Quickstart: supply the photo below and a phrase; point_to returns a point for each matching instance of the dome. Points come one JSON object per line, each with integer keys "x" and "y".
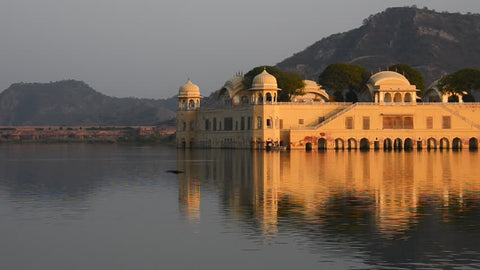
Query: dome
{"x": 234, "y": 85}
{"x": 189, "y": 89}
{"x": 264, "y": 81}
{"x": 311, "y": 85}
{"x": 390, "y": 80}
{"x": 312, "y": 92}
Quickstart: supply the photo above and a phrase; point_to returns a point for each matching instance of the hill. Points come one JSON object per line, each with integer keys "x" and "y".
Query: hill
{"x": 72, "y": 103}
{"x": 431, "y": 42}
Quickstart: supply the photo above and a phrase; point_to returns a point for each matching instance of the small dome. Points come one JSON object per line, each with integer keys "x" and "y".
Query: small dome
{"x": 311, "y": 85}
{"x": 312, "y": 92}
{"x": 189, "y": 89}
{"x": 264, "y": 81}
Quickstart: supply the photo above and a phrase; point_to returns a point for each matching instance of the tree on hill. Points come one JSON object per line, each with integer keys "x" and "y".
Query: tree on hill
{"x": 291, "y": 83}
{"x": 413, "y": 76}
{"x": 465, "y": 80}
{"x": 341, "y": 76}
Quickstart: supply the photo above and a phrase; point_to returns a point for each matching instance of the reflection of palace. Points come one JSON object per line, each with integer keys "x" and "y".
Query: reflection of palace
{"x": 388, "y": 117}
{"x": 392, "y": 187}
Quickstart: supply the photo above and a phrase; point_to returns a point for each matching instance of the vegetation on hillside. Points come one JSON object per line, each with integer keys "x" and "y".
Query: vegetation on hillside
{"x": 434, "y": 43}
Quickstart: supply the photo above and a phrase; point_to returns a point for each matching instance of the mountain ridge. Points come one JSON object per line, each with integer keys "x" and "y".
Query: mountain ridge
{"x": 72, "y": 102}
{"x": 434, "y": 43}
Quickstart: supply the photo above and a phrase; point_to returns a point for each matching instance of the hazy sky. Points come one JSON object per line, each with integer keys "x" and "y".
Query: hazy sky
{"x": 148, "y": 48}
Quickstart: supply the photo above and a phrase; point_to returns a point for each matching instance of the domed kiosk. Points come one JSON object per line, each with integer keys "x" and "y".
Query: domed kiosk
{"x": 189, "y": 96}
{"x": 389, "y": 87}
{"x": 265, "y": 87}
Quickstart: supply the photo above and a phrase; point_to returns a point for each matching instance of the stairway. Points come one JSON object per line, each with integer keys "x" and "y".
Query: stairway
{"x": 333, "y": 117}
{"x": 460, "y": 116}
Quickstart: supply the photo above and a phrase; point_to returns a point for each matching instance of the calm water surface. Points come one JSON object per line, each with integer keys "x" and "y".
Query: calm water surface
{"x": 116, "y": 207}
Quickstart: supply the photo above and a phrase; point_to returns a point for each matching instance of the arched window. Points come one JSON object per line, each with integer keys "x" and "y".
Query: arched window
{"x": 191, "y": 103}
{"x": 268, "y": 97}
{"x": 397, "y": 98}
{"x": 408, "y": 98}
{"x": 269, "y": 123}
{"x": 388, "y": 98}
{"x": 207, "y": 124}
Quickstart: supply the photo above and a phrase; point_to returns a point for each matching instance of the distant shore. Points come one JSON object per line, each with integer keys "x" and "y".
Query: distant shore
{"x": 87, "y": 134}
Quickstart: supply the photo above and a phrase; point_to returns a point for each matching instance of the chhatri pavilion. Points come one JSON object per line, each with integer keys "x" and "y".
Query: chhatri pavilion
{"x": 389, "y": 115}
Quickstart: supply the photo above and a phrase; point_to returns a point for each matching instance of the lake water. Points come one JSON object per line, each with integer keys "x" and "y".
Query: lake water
{"x": 115, "y": 207}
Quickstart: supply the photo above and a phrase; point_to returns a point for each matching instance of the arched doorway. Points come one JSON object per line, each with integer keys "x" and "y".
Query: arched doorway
{"x": 364, "y": 144}
{"x": 339, "y": 144}
{"x": 444, "y": 144}
{"x": 387, "y": 144}
{"x": 431, "y": 144}
{"x": 408, "y": 144}
{"x": 322, "y": 144}
{"x": 352, "y": 144}
{"x": 397, "y": 144}
{"x": 308, "y": 147}
{"x": 419, "y": 145}
{"x": 457, "y": 144}
{"x": 473, "y": 144}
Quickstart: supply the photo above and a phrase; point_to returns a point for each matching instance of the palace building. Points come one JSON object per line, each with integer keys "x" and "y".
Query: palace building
{"x": 389, "y": 116}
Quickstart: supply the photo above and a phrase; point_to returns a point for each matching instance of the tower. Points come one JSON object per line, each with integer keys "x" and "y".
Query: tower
{"x": 187, "y": 114}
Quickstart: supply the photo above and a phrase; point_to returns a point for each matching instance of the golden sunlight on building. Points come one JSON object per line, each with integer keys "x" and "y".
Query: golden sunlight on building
{"x": 390, "y": 116}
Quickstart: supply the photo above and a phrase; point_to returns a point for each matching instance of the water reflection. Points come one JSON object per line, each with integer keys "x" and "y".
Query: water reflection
{"x": 401, "y": 207}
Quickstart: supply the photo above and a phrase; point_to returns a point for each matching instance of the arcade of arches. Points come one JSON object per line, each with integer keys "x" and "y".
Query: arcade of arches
{"x": 389, "y": 144}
